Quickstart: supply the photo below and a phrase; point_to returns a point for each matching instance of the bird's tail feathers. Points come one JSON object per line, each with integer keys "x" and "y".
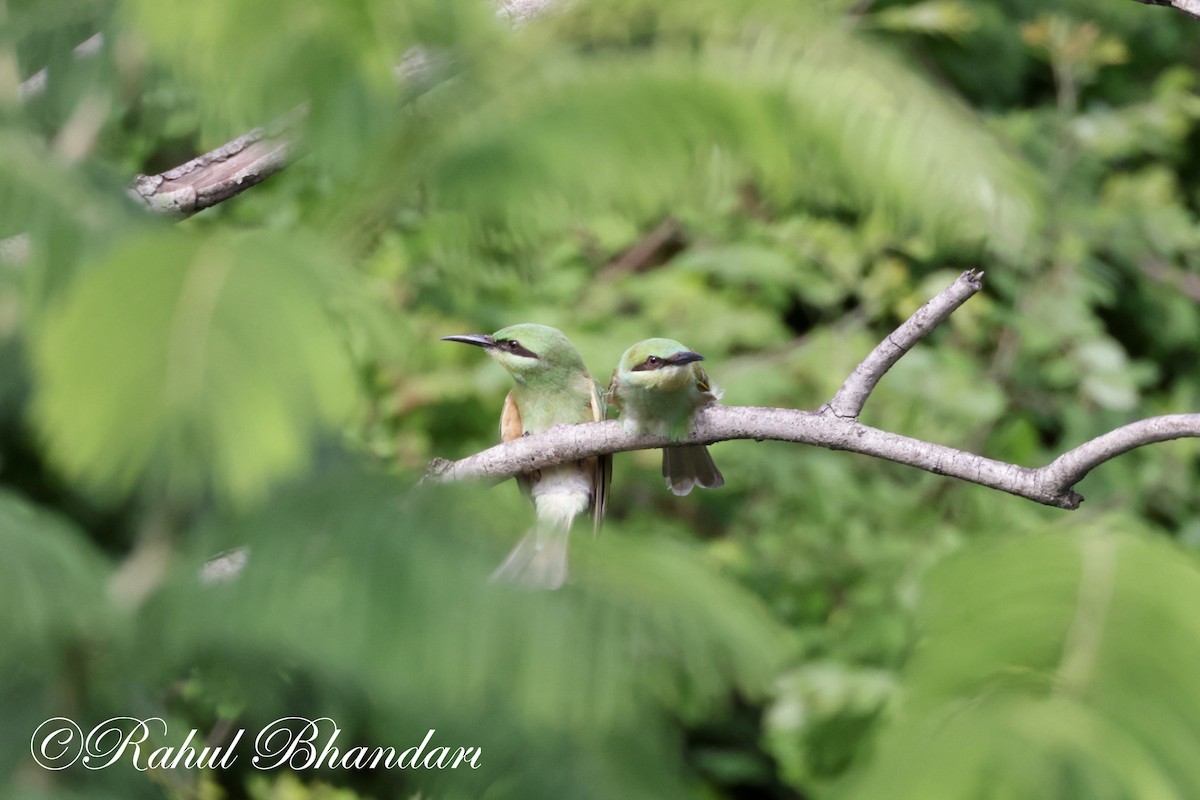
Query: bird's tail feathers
{"x": 688, "y": 466}
{"x": 539, "y": 561}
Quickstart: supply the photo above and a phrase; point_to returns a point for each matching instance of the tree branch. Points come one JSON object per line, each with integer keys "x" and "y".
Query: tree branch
{"x": 201, "y": 183}
{"x": 836, "y": 427}
{"x": 221, "y": 173}
{"x": 850, "y": 399}
{"x": 204, "y": 181}
{"x": 1191, "y": 7}
{"x": 250, "y": 159}
{"x": 1073, "y": 465}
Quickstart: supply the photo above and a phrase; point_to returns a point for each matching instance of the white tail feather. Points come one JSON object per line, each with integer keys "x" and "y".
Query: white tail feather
{"x": 539, "y": 561}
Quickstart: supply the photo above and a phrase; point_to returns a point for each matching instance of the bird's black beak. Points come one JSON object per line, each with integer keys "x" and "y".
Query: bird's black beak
{"x": 477, "y": 339}
{"x": 686, "y": 357}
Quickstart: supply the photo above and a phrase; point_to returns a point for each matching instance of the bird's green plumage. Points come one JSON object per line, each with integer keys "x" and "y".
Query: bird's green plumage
{"x": 659, "y": 399}
{"x": 553, "y": 387}
{"x": 657, "y": 387}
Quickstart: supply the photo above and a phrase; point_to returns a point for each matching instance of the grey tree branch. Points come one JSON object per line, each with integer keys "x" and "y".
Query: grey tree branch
{"x": 1186, "y": 6}
{"x": 850, "y": 399}
{"x": 204, "y": 181}
{"x": 221, "y": 173}
{"x": 250, "y": 159}
{"x": 1073, "y": 465}
{"x": 837, "y": 429}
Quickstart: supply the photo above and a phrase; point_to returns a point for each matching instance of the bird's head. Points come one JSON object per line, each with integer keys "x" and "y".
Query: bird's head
{"x": 527, "y": 350}
{"x": 658, "y": 364}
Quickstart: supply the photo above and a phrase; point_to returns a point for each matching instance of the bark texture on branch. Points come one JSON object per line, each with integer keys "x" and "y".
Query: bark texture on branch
{"x": 850, "y": 399}
{"x": 1186, "y": 6}
{"x": 219, "y": 174}
{"x": 1051, "y": 485}
{"x": 836, "y": 427}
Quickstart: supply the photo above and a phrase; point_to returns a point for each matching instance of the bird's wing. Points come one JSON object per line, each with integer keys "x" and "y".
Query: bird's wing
{"x": 599, "y": 466}
{"x": 511, "y": 428}
{"x": 704, "y": 385}
{"x": 613, "y": 395}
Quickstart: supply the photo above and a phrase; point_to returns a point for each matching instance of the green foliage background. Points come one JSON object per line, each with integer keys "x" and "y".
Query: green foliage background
{"x": 267, "y": 375}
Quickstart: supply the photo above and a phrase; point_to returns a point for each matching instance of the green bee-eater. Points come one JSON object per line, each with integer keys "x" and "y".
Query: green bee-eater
{"x": 553, "y": 388}
{"x": 658, "y": 386}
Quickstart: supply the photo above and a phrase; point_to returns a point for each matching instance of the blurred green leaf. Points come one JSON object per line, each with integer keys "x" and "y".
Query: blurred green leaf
{"x": 53, "y": 605}
{"x": 818, "y": 715}
{"x": 758, "y": 98}
{"x": 1021, "y": 683}
{"x": 776, "y": 184}
{"x": 206, "y": 364}
{"x": 396, "y": 582}
{"x": 53, "y": 585}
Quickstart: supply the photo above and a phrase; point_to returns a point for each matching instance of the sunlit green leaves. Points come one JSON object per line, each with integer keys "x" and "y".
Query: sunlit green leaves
{"x": 1157, "y": 125}
{"x": 565, "y": 144}
{"x": 190, "y": 365}
{"x": 752, "y": 104}
{"x": 1076, "y": 50}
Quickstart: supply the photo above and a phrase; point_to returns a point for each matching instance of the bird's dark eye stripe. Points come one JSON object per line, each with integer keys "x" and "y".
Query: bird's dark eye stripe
{"x": 651, "y": 362}
{"x": 513, "y": 346}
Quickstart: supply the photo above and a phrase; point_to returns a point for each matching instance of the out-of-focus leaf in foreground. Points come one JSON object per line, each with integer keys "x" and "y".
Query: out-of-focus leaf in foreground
{"x": 60, "y": 213}
{"x": 804, "y": 112}
{"x": 1057, "y": 665}
{"x": 52, "y": 602}
{"x": 381, "y": 601}
{"x": 191, "y": 365}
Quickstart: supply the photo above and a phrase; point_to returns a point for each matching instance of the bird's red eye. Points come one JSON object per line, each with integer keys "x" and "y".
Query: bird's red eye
{"x": 653, "y": 361}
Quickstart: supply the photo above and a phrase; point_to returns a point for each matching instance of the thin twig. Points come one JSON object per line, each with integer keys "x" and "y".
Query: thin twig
{"x": 1074, "y": 464}
{"x": 849, "y": 400}
{"x": 250, "y": 159}
{"x": 1052, "y": 484}
{"x": 1162, "y": 271}
{"x": 653, "y": 248}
